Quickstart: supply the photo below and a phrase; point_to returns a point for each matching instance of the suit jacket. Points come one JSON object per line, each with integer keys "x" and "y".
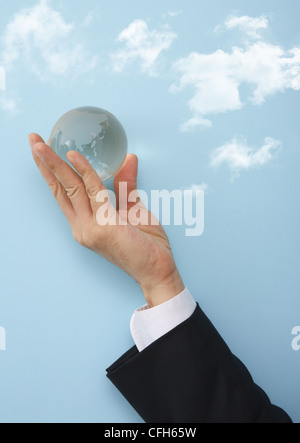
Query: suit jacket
{"x": 190, "y": 376}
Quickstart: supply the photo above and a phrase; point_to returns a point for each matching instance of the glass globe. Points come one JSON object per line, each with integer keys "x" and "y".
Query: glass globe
{"x": 96, "y": 134}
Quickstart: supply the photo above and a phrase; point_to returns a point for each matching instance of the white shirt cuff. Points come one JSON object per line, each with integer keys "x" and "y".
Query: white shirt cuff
{"x": 149, "y": 324}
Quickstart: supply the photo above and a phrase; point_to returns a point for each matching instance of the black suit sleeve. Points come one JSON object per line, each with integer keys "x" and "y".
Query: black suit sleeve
{"x": 190, "y": 376}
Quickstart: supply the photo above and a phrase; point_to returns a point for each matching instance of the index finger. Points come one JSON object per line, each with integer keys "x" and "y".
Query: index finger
{"x": 53, "y": 183}
{"x": 69, "y": 179}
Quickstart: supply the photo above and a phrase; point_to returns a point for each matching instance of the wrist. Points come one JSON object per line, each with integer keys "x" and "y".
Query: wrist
{"x": 160, "y": 292}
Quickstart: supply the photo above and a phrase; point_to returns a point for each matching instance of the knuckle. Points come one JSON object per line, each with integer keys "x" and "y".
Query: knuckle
{"x": 53, "y": 168}
{"x": 92, "y": 182}
{"x": 93, "y": 190}
{"x": 56, "y": 189}
{"x": 74, "y": 191}
{"x": 87, "y": 174}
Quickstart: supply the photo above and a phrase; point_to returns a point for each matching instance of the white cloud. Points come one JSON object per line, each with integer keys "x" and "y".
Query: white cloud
{"x": 88, "y": 19}
{"x": 9, "y": 104}
{"x": 216, "y": 78}
{"x": 194, "y": 122}
{"x": 142, "y": 44}
{"x": 172, "y": 14}
{"x": 250, "y": 26}
{"x": 238, "y": 155}
{"x": 40, "y": 37}
{"x": 2, "y": 79}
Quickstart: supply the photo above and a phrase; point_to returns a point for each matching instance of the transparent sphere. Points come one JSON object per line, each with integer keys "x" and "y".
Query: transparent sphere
{"x": 96, "y": 134}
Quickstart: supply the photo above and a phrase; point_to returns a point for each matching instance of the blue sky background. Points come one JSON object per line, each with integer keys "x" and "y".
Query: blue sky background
{"x": 66, "y": 311}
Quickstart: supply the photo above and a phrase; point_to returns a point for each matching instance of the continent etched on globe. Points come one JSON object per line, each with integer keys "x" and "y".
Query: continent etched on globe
{"x": 96, "y": 134}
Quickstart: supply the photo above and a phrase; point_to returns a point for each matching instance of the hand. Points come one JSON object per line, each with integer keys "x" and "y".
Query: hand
{"x": 144, "y": 252}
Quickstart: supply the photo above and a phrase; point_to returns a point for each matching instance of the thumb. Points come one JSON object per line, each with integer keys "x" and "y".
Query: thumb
{"x": 127, "y": 174}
